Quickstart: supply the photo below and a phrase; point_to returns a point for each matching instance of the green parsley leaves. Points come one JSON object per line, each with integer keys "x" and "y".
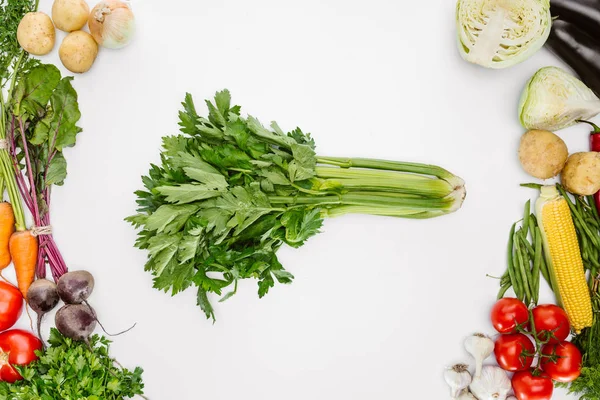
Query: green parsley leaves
{"x": 70, "y": 370}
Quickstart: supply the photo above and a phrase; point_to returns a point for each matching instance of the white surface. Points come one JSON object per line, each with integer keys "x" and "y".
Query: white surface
{"x": 379, "y": 305}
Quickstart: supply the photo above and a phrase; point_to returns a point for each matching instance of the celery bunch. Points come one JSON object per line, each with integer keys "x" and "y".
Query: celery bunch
{"x": 230, "y": 192}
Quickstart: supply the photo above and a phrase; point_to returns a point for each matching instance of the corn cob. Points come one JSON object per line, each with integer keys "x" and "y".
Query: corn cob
{"x": 565, "y": 264}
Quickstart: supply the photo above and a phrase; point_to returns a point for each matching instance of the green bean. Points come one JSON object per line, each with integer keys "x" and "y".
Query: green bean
{"x": 528, "y": 246}
{"x": 510, "y": 263}
{"x": 532, "y": 225}
{"x": 526, "y": 213}
{"x": 594, "y": 256}
{"x": 536, "y": 268}
{"x": 503, "y": 291}
{"x": 580, "y": 205}
{"x": 527, "y": 263}
{"x": 591, "y": 221}
{"x": 594, "y": 209}
{"x": 516, "y": 281}
{"x": 579, "y": 222}
{"x": 523, "y": 270}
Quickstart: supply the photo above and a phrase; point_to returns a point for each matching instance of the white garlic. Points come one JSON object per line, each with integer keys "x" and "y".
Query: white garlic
{"x": 112, "y": 24}
{"x": 466, "y": 395}
{"x": 511, "y": 398}
{"x": 480, "y": 347}
{"x": 458, "y": 378}
{"x": 492, "y": 384}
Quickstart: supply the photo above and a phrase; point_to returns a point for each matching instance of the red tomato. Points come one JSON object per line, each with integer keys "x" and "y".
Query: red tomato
{"x": 17, "y": 347}
{"x": 11, "y": 305}
{"x": 507, "y": 313}
{"x": 565, "y": 366}
{"x": 514, "y": 352}
{"x": 551, "y": 323}
{"x": 530, "y": 386}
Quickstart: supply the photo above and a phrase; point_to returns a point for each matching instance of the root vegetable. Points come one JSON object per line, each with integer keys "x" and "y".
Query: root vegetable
{"x": 112, "y": 24}
{"x": 36, "y": 33}
{"x": 581, "y": 174}
{"x": 42, "y": 297}
{"x": 24, "y": 249}
{"x": 75, "y": 287}
{"x": 78, "y": 51}
{"x": 542, "y": 154}
{"x": 76, "y": 321}
{"x": 70, "y": 15}
{"x": 7, "y": 228}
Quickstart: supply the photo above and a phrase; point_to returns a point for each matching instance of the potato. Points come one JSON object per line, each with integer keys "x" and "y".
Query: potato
{"x": 78, "y": 51}
{"x": 542, "y": 154}
{"x": 36, "y": 33}
{"x": 581, "y": 174}
{"x": 70, "y": 15}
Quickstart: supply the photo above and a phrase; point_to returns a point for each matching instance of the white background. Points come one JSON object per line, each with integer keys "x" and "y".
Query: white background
{"x": 379, "y": 306}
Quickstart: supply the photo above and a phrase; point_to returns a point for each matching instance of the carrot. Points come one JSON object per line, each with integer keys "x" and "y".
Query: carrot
{"x": 7, "y": 227}
{"x": 24, "y": 249}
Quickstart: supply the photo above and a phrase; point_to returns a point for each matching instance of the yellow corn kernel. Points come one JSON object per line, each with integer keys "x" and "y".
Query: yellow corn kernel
{"x": 564, "y": 257}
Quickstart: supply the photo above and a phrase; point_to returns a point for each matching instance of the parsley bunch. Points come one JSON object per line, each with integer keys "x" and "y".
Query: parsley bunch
{"x": 230, "y": 192}
{"x": 72, "y": 370}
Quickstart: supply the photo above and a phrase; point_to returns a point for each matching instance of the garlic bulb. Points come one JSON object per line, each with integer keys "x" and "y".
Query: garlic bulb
{"x": 458, "y": 378}
{"x": 466, "y": 395}
{"x": 511, "y": 398}
{"x": 112, "y": 24}
{"x": 493, "y": 384}
{"x": 480, "y": 347}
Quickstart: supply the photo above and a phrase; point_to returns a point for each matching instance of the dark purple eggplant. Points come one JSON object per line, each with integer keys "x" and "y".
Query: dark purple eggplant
{"x": 579, "y": 50}
{"x": 583, "y": 13}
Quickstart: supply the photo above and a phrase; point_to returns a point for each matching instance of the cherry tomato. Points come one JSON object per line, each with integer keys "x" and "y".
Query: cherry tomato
{"x": 514, "y": 352}
{"x": 17, "y": 347}
{"x": 551, "y": 323}
{"x": 565, "y": 364}
{"x": 507, "y": 313}
{"x": 528, "y": 385}
{"x": 11, "y": 305}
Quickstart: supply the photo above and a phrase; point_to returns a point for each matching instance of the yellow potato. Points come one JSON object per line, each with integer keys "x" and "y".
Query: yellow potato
{"x": 36, "y": 33}
{"x": 542, "y": 154}
{"x": 581, "y": 174}
{"x": 78, "y": 51}
{"x": 70, "y": 15}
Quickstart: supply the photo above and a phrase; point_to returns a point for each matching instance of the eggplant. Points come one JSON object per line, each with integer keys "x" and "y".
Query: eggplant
{"x": 579, "y": 50}
{"x": 583, "y": 13}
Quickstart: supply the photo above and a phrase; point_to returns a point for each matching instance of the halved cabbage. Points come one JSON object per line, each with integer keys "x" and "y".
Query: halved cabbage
{"x": 553, "y": 99}
{"x": 501, "y": 33}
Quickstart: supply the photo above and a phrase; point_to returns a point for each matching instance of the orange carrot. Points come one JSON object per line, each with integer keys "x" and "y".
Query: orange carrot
{"x": 7, "y": 227}
{"x": 24, "y": 250}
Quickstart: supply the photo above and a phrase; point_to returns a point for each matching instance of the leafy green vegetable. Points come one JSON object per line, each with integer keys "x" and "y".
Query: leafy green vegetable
{"x": 70, "y": 370}
{"x": 230, "y": 192}
{"x": 554, "y": 99}
{"x": 44, "y": 116}
{"x": 14, "y": 63}
{"x": 499, "y": 33}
